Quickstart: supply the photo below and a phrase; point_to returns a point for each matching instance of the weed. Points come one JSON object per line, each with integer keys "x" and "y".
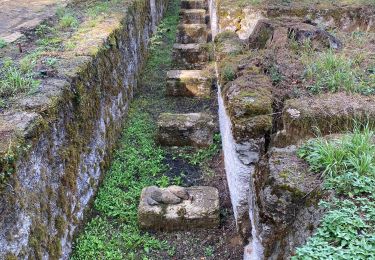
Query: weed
{"x": 209, "y": 251}
{"x": 201, "y": 156}
{"x": 50, "y": 61}
{"x": 67, "y": 19}
{"x": 171, "y": 251}
{"x": 97, "y": 9}
{"x": 275, "y": 74}
{"x": 69, "y": 45}
{"x": 43, "y": 29}
{"x": 348, "y": 165}
{"x": 15, "y": 81}
{"x": 3, "y": 43}
{"x": 229, "y": 73}
{"x": 334, "y": 72}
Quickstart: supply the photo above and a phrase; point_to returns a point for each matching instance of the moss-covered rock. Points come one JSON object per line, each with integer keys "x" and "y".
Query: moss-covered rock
{"x": 287, "y": 197}
{"x": 322, "y": 115}
{"x": 248, "y": 101}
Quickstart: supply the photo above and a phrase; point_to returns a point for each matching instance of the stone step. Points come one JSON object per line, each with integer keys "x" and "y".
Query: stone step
{"x": 190, "y": 56}
{"x": 191, "y": 33}
{"x": 193, "y": 129}
{"x": 161, "y": 209}
{"x": 193, "y": 16}
{"x": 188, "y": 83}
{"x": 194, "y": 4}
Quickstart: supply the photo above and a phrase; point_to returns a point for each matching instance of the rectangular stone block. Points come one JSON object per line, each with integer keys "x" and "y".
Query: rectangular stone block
{"x": 188, "y": 83}
{"x": 194, "y": 4}
{"x": 193, "y": 16}
{"x": 190, "y": 56}
{"x": 200, "y": 211}
{"x": 192, "y": 33}
{"x": 193, "y": 129}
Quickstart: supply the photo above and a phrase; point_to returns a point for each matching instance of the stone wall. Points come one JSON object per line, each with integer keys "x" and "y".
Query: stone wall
{"x": 56, "y": 145}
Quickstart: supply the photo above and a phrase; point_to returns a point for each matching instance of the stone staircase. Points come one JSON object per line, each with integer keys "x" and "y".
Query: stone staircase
{"x": 189, "y": 79}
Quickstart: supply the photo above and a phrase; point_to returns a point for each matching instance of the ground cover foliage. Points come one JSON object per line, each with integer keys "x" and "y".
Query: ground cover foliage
{"x": 347, "y": 164}
{"x": 113, "y": 232}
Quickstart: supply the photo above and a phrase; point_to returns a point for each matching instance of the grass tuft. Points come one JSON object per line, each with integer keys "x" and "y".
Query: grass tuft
{"x": 14, "y": 80}
{"x": 334, "y": 72}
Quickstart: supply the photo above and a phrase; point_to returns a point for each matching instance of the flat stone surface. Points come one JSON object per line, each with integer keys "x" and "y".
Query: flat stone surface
{"x": 17, "y": 15}
{"x": 192, "y": 33}
{"x": 193, "y": 16}
{"x": 190, "y": 56}
{"x": 201, "y": 211}
{"x": 188, "y": 83}
{"x": 330, "y": 113}
{"x": 193, "y": 129}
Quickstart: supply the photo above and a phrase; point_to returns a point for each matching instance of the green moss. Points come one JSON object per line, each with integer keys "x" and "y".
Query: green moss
{"x": 38, "y": 239}
{"x": 10, "y": 256}
{"x": 252, "y": 102}
{"x": 296, "y": 193}
{"x": 60, "y": 225}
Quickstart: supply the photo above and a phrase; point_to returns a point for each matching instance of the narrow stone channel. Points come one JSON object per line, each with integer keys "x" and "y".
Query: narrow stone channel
{"x": 114, "y": 223}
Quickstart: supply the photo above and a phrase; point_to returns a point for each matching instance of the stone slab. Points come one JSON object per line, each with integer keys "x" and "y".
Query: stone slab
{"x": 200, "y": 211}
{"x": 192, "y": 129}
{"x": 190, "y": 56}
{"x": 324, "y": 114}
{"x": 193, "y": 16}
{"x": 192, "y": 33}
{"x": 194, "y": 4}
{"x": 188, "y": 83}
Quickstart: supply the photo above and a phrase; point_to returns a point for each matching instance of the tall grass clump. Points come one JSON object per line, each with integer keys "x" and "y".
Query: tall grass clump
{"x": 14, "y": 80}
{"x": 334, "y": 72}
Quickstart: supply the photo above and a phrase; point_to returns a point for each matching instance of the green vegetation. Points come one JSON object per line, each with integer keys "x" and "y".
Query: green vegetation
{"x": 15, "y": 80}
{"x": 113, "y": 232}
{"x": 3, "y": 43}
{"x": 202, "y": 155}
{"x": 348, "y": 164}
{"x": 333, "y": 72}
{"x": 275, "y": 74}
{"x": 209, "y": 251}
{"x": 229, "y": 73}
{"x": 67, "y": 19}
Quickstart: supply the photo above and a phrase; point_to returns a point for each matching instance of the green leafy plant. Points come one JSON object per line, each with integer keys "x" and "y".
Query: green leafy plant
{"x": 209, "y": 251}
{"x": 67, "y": 19}
{"x": 201, "y": 156}
{"x": 3, "y": 43}
{"x": 229, "y": 73}
{"x": 275, "y": 74}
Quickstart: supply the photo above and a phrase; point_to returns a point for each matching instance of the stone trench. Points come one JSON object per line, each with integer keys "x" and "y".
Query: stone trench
{"x": 220, "y": 55}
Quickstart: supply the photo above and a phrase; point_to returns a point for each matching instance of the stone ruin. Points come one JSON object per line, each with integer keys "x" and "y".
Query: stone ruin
{"x": 178, "y": 208}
